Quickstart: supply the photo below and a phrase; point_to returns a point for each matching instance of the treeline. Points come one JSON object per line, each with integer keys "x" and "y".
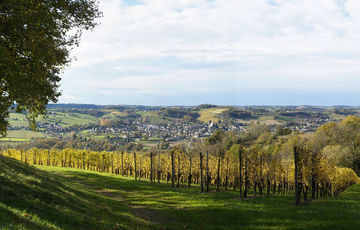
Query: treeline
{"x": 341, "y": 142}
{"x": 233, "y": 113}
{"x": 266, "y": 164}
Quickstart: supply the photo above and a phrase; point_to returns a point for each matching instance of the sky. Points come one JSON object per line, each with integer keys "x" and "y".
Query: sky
{"x": 224, "y": 52}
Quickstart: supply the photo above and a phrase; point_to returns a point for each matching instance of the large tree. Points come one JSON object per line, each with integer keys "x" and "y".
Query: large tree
{"x": 36, "y": 37}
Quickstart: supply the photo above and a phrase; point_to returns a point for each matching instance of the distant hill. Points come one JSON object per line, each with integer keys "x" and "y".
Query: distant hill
{"x": 74, "y": 106}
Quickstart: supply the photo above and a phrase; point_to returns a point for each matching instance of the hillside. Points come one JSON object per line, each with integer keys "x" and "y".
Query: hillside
{"x": 63, "y": 198}
{"x": 150, "y": 125}
{"x": 34, "y": 199}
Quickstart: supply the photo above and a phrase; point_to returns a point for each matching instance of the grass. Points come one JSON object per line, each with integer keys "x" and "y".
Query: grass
{"x": 114, "y": 112}
{"x": 61, "y": 118}
{"x": 336, "y": 116}
{"x": 20, "y": 136}
{"x": 63, "y": 198}
{"x": 18, "y": 119}
{"x": 210, "y": 114}
{"x": 154, "y": 118}
{"x": 34, "y": 199}
{"x": 69, "y": 119}
{"x": 287, "y": 119}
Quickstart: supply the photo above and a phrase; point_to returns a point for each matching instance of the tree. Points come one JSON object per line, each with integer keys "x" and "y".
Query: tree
{"x": 36, "y": 37}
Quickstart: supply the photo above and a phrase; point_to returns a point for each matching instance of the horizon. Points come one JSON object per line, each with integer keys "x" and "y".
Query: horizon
{"x": 195, "y": 105}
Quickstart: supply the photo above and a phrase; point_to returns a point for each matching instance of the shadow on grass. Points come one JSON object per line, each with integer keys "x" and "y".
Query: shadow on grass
{"x": 188, "y": 208}
{"x": 35, "y": 199}
{"x": 75, "y": 199}
{"x": 184, "y": 207}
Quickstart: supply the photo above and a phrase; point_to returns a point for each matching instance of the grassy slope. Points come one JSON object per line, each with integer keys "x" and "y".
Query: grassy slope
{"x": 70, "y": 199}
{"x": 210, "y": 114}
{"x": 34, "y": 199}
{"x": 68, "y": 119}
{"x": 61, "y": 118}
{"x": 20, "y": 135}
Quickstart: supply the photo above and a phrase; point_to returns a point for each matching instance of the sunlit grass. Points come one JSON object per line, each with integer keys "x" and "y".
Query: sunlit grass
{"x": 210, "y": 114}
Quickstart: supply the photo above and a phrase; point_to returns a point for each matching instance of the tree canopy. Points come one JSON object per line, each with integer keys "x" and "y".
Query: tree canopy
{"x": 36, "y": 37}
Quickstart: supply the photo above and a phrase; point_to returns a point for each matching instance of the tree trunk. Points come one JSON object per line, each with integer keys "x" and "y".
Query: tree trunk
{"x": 83, "y": 160}
{"x": 34, "y": 160}
{"x": 135, "y": 171}
{"x": 226, "y": 174}
{"x": 172, "y": 170}
{"x": 284, "y": 185}
{"x": 261, "y": 181}
{"x": 201, "y": 172}
{"x": 207, "y": 172}
{"x": 234, "y": 172}
{"x": 151, "y": 167}
{"x": 240, "y": 172}
{"x": 218, "y": 176}
{"x": 112, "y": 163}
{"x": 190, "y": 176}
{"x": 140, "y": 167}
{"x": 122, "y": 163}
{"x": 103, "y": 163}
{"x": 158, "y": 167}
{"x": 88, "y": 163}
{"x": 313, "y": 177}
{"x": 268, "y": 184}
{"x": 179, "y": 173}
{"x": 25, "y": 153}
{"x": 246, "y": 178}
{"x": 48, "y": 161}
{"x": 297, "y": 192}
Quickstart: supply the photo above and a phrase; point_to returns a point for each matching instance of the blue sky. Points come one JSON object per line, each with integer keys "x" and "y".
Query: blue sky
{"x": 226, "y": 52}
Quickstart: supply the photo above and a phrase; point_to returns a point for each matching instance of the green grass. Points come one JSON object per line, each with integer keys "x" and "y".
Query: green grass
{"x": 153, "y": 117}
{"x": 287, "y": 119}
{"x": 14, "y": 139}
{"x": 45, "y": 197}
{"x": 20, "y": 136}
{"x": 69, "y": 119}
{"x": 61, "y": 118}
{"x": 34, "y": 199}
{"x": 18, "y": 119}
{"x": 336, "y": 116}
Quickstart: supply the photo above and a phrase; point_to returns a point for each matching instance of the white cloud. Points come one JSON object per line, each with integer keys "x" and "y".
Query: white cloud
{"x": 187, "y": 46}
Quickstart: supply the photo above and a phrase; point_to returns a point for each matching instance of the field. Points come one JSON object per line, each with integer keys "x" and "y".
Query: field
{"x": 20, "y": 136}
{"x": 152, "y": 117}
{"x": 68, "y": 119}
{"x": 63, "y": 198}
{"x": 210, "y": 114}
{"x": 64, "y": 119}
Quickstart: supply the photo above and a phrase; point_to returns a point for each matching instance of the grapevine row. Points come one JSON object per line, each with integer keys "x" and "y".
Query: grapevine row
{"x": 261, "y": 170}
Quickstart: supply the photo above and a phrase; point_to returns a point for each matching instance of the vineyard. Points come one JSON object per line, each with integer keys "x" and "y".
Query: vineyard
{"x": 262, "y": 170}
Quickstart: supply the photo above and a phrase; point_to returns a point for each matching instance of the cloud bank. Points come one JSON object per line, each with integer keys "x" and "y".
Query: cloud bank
{"x": 166, "y": 52}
